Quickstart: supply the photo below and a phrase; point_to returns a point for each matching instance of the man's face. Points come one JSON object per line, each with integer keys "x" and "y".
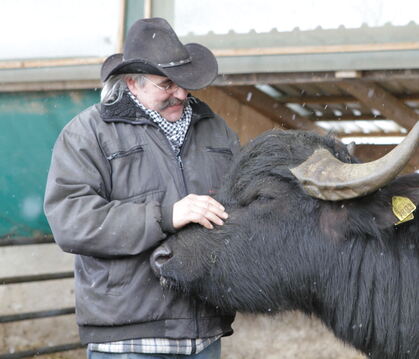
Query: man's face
{"x": 160, "y": 94}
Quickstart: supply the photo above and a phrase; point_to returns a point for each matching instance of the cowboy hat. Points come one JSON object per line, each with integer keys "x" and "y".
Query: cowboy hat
{"x": 152, "y": 47}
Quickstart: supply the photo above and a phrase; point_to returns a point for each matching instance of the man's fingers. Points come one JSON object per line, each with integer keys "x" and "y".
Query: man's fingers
{"x": 204, "y": 222}
{"x": 206, "y": 214}
{"x": 198, "y": 209}
{"x": 207, "y": 200}
{"x": 210, "y": 209}
{"x": 214, "y": 218}
{"x": 210, "y": 204}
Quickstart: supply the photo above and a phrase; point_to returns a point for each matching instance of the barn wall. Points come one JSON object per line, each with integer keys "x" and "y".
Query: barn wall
{"x": 29, "y": 125}
{"x": 244, "y": 120}
{"x": 367, "y": 153}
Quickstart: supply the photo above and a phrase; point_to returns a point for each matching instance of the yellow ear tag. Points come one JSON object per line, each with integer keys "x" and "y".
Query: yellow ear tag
{"x": 403, "y": 209}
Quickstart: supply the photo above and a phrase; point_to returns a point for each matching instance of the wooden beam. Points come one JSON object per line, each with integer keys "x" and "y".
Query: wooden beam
{"x": 121, "y": 26}
{"x": 274, "y": 78}
{"x": 367, "y": 153}
{"x": 148, "y": 8}
{"x": 390, "y": 75}
{"x": 336, "y": 99}
{"x": 269, "y": 107}
{"x": 375, "y": 97}
{"x": 361, "y": 117}
{"x": 75, "y": 61}
{"x": 370, "y": 134}
{"x": 285, "y": 78}
{"x": 320, "y": 49}
{"x": 50, "y": 86}
{"x": 318, "y": 100}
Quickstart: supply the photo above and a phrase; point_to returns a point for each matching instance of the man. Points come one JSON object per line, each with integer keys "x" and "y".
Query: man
{"x": 124, "y": 174}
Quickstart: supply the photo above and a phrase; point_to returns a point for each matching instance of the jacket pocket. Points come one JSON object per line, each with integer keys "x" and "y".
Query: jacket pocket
{"x": 220, "y": 150}
{"x": 124, "y": 153}
{"x": 153, "y": 195}
{"x": 121, "y": 272}
{"x": 219, "y": 163}
{"x": 105, "y": 275}
{"x": 133, "y": 172}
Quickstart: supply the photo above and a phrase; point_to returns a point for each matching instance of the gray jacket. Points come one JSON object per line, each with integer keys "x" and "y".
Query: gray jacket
{"x": 111, "y": 187}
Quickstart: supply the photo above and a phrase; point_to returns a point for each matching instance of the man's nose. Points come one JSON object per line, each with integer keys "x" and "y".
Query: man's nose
{"x": 180, "y": 93}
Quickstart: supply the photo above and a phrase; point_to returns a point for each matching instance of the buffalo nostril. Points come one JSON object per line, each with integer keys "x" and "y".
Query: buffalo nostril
{"x": 159, "y": 257}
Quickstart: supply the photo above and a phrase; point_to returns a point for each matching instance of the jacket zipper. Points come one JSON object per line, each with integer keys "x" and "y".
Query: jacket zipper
{"x": 177, "y": 158}
{"x": 185, "y": 142}
{"x": 185, "y": 187}
{"x": 196, "y": 319}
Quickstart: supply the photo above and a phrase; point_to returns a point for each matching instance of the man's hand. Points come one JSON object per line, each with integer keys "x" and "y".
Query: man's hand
{"x": 204, "y": 210}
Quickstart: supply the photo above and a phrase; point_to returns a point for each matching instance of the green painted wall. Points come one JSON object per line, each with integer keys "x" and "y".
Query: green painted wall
{"x": 29, "y": 125}
{"x": 134, "y": 10}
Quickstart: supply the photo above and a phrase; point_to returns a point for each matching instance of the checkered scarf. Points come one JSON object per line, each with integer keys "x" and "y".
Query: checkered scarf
{"x": 174, "y": 131}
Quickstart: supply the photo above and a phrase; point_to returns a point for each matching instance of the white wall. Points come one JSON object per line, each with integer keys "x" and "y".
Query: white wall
{"x": 58, "y": 28}
{"x": 220, "y": 16}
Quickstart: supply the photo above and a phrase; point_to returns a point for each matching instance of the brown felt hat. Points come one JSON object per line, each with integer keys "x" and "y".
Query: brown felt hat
{"x": 152, "y": 47}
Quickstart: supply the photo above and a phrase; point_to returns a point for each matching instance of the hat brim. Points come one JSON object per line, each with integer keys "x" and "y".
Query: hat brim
{"x": 197, "y": 74}
{"x": 200, "y": 72}
{"x": 115, "y": 65}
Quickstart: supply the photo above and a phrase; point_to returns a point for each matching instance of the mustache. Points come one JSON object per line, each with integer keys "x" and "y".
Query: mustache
{"x": 173, "y": 101}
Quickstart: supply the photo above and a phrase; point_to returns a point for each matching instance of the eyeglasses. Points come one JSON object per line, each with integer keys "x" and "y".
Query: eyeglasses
{"x": 169, "y": 88}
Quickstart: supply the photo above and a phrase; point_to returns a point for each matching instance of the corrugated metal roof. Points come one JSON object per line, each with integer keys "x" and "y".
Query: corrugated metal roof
{"x": 375, "y": 116}
{"x": 364, "y": 48}
{"x": 267, "y": 14}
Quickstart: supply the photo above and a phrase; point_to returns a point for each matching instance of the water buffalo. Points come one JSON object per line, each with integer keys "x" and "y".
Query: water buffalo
{"x": 320, "y": 239}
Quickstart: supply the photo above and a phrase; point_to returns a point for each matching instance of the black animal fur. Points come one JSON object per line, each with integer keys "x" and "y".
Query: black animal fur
{"x": 344, "y": 262}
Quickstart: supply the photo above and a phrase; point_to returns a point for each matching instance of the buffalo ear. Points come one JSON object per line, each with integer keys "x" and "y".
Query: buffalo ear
{"x": 370, "y": 215}
{"x": 373, "y": 214}
{"x": 380, "y": 203}
{"x": 356, "y": 218}
{"x": 334, "y": 220}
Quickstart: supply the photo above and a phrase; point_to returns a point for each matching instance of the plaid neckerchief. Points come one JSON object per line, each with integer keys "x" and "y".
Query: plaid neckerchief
{"x": 155, "y": 346}
{"x": 174, "y": 131}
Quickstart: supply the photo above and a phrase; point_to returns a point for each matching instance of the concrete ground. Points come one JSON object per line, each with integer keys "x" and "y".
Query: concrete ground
{"x": 286, "y": 336}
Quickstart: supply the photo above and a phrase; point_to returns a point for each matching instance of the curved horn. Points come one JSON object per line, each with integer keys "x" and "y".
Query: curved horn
{"x": 325, "y": 177}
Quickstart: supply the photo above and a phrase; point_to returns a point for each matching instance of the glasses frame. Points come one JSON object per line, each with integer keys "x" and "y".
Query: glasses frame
{"x": 171, "y": 88}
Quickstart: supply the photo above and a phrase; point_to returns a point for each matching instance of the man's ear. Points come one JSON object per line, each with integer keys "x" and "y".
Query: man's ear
{"x": 132, "y": 84}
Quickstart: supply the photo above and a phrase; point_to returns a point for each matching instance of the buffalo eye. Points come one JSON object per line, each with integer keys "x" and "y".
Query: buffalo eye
{"x": 264, "y": 197}
{"x": 254, "y": 199}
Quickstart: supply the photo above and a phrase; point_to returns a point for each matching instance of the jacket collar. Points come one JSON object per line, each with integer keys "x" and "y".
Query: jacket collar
{"x": 125, "y": 110}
